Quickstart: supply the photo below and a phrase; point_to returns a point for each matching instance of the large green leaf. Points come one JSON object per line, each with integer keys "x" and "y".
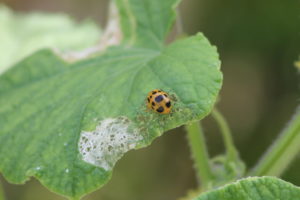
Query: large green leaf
{"x": 67, "y": 124}
{"x": 22, "y": 34}
{"x": 254, "y": 188}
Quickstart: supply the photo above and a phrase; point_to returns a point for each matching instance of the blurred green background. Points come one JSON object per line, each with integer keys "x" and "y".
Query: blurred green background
{"x": 258, "y": 42}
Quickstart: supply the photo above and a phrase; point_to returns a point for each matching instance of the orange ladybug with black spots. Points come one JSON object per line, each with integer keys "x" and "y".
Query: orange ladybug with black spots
{"x": 159, "y": 101}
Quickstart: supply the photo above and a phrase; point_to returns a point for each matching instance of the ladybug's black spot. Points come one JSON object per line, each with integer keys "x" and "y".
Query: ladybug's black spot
{"x": 153, "y": 104}
{"x": 151, "y": 97}
{"x": 165, "y": 95}
{"x": 159, "y": 98}
{"x": 168, "y": 104}
{"x": 160, "y": 109}
{"x": 148, "y": 100}
{"x": 154, "y": 92}
{"x": 159, "y": 91}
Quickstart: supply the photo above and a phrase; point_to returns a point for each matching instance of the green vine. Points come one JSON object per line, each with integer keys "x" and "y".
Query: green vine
{"x": 231, "y": 152}
{"x": 282, "y": 152}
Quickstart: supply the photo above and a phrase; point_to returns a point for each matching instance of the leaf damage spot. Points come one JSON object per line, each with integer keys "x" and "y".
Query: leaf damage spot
{"x": 105, "y": 145}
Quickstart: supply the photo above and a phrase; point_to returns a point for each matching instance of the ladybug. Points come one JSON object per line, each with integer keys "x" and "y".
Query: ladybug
{"x": 159, "y": 101}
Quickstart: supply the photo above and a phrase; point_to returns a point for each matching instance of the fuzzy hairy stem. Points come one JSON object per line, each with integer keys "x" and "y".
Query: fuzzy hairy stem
{"x": 199, "y": 153}
{"x": 231, "y": 152}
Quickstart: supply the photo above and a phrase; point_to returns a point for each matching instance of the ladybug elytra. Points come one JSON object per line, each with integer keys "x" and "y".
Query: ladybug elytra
{"x": 159, "y": 101}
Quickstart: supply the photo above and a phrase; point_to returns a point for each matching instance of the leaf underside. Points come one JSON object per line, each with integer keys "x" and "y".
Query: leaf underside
{"x": 47, "y": 104}
{"x": 21, "y": 35}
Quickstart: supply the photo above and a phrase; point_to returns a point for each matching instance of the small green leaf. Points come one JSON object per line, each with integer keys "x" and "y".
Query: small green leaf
{"x": 21, "y": 35}
{"x": 67, "y": 124}
{"x": 254, "y": 188}
{"x": 153, "y": 24}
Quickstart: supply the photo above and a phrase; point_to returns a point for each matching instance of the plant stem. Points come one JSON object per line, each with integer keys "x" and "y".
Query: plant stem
{"x": 111, "y": 36}
{"x": 231, "y": 152}
{"x": 199, "y": 153}
{"x": 179, "y": 26}
{"x": 282, "y": 152}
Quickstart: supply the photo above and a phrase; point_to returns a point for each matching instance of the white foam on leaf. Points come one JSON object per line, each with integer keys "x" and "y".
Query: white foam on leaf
{"x": 105, "y": 145}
